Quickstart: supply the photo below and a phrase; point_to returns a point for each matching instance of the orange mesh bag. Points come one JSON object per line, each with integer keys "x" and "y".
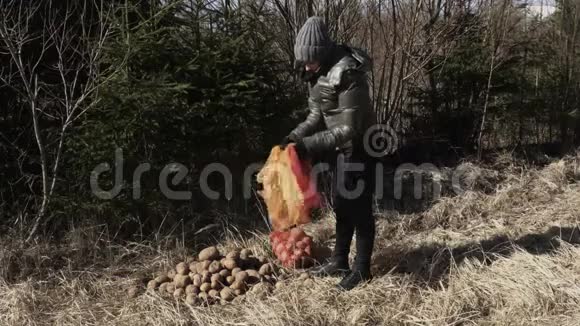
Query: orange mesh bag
{"x": 293, "y": 248}
{"x": 290, "y": 196}
{"x": 288, "y": 191}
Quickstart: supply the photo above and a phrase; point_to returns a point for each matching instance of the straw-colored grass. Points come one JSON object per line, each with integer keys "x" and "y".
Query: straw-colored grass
{"x": 503, "y": 256}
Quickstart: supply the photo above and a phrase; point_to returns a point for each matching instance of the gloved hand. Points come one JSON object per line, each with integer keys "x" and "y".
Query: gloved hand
{"x": 287, "y": 140}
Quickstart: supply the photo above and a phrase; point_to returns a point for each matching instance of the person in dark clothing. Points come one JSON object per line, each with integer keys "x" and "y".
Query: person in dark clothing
{"x": 340, "y": 114}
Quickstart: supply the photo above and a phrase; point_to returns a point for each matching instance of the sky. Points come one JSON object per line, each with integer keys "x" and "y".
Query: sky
{"x": 540, "y": 7}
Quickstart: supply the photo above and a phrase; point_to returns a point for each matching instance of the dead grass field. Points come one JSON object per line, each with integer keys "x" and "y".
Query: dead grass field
{"x": 502, "y": 257}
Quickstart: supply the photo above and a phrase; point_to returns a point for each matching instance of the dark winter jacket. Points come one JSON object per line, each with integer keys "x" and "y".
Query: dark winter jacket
{"x": 339, "y": 104}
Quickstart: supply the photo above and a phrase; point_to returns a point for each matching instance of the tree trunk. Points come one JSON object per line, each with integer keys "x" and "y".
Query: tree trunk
{"x": 485, "y": 106}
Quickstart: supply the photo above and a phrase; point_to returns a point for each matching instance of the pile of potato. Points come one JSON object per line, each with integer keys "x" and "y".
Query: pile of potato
{"x": 213, "y": 278}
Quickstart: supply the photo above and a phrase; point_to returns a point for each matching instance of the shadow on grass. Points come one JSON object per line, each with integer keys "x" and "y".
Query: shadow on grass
{"x": 431, "y": 263}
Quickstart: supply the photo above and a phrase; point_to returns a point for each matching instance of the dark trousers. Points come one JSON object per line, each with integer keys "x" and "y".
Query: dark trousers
{"x": 354, "y": 212}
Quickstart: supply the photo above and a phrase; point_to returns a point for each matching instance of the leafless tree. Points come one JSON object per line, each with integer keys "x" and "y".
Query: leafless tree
{"x": 72, "y": 46}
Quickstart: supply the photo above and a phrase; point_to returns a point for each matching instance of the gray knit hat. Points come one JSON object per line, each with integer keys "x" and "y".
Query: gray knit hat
{"x": 312, "y": 42}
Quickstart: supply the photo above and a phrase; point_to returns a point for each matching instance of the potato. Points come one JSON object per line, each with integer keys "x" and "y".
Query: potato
{"x": 181, "y": 281}
{"x": 236, "y": 270}
{"x": 213, "y": 294}
{"x": 279, "y": 248}
{"x": 202, "y": 296}
{"x": 210, "y": 253}
{"x": 234, "y": 254}
{"x": 284, "y": 255}
{"x": 162, "y": 279}
{"x": 296, "y": 234}
{"x": 163, "y": 288}
{"x": 241, "y": 276}
{"x": 203, "y": 266}
{"x": 238, "y": 285}
{"x": 227, "y": 294}
{"x": 215, "y": 267}
{"x": 196, "y": 280}
{"x": 230, "y": 280}
{"x": 152, "y": 285}
{"x": 205, "y": 287}
{"x": 217, "y": 278}
{"x": 192, "y": 300}
{"x": 182, "y": 268}
{"x": 301, "y": 244}
{"x": 266, "y": 269}
{"x": 253, "y": 272}
{"x": 230, "y": 263}
{"x": 178, "y": 293}
{"x": 171, "y": 274}
{"x": 192, "y": 289}
{"x": 245, "y": 253}
{"x": 216, "y": 285}
{"x": 193, "y": 267}
{"x": 253, "y": 276}
{"x": 170, "y": 288}
{"x": 239, "y": 292}
{"x": 275, "y": 269}
{"x": 298, "y": 252}
{"x": 225, "y": 273}
{"x": 199, "y": 268}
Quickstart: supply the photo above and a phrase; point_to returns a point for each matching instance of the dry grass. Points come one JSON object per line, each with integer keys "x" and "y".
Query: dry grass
{"x": 503, "y": 256}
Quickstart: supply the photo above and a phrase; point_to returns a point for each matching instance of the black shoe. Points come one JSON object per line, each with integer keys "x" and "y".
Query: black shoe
{"x": 331, "y": 268}
{"x": 353, "y": 279}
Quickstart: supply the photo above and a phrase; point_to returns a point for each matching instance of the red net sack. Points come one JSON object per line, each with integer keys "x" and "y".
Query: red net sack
{"x": 293, "y": 248}
{"x": 288, "y": 190}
